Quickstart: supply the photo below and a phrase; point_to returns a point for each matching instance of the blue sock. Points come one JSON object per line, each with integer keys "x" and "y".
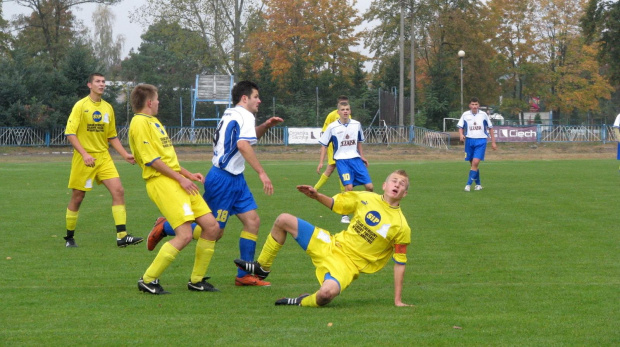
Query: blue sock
{"x": 478, "y": 177}
{"x": 170, "y": 232}
{"x": 472, "y": 175}
{"x": 247, "y": 249}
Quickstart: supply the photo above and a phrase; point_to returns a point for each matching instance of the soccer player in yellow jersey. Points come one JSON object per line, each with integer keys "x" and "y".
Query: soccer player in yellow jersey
{"x": 378, "y": 231}
{"x": 331, "y": 163}
{"x": 171, "y": 188}
{"x": 90, "y": 128}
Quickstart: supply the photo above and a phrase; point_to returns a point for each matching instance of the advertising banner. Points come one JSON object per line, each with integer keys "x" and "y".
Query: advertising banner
{"x": 514, "y": 134}
{"x": 304, "y": 136}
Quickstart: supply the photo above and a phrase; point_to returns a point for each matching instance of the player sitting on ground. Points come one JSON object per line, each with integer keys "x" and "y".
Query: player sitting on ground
{"x": 378, "y": 231}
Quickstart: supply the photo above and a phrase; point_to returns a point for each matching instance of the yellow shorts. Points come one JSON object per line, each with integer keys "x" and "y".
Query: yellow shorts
{"x": 330, "y": 155}
{"x": 328, "y": 257}
{"x": 82, "y": 176}
{"x": 174, "y": 202}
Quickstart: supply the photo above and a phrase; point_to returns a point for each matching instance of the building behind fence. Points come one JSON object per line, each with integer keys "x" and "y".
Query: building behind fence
{"x": 385, "y": 135}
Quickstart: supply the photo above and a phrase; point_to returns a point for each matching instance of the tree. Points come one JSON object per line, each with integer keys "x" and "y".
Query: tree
{"x": 219, "y": 23}
{"x": 601, "y": 24}
{"x": 50, "y": 28}
{"x": 168, "y": 57}
{"x": 306, "y": 37}
{"x": 559, "y": 42}
{"x": 513, "y": 39}
{"x": 107, "y": 48}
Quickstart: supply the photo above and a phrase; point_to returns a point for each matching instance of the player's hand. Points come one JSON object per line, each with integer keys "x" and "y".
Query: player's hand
{"x": 273, "y": 121}
{"x": 267, "y": 186}
{"x": 89, "y": 160}
{"x": 494, "y": 146}
{"x": 365, "y": 162}
{"x": 309, "y": 191}
{"x": 462, "y": 138}
{"x": 197, "y": 177}
{"x": 319, "y": 168}
{"x": 189, "y": 186}
{"x": 130, "y": 159}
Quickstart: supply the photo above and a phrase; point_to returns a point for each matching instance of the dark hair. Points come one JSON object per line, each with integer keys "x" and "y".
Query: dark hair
{"x": 343, "y": 103}
{"x": 342, "y": 98}
{"x": 474, "y": 99}
{"x": 140, "y": 94}
{"x": 92, "y": 76}
{"x": 242, "y": 88}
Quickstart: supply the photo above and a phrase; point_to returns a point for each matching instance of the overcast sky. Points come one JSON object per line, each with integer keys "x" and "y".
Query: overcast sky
{"x": 123, "y": 26}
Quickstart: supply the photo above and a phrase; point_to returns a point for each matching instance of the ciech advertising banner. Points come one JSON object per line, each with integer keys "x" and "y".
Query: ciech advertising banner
{"x": 515, "y": 134}
{"x": 301, "y": 136}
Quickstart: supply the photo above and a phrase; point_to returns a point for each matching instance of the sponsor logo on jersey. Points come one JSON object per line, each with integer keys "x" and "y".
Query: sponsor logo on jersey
{"x": 372, "y": 218}
{"x": 97, "y": 116}
{"x": 475, "y": 127}
{"x": 347, "y": 142}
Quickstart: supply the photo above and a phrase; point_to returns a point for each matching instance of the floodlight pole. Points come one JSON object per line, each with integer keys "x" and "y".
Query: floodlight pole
{"x": 461, "y": 56}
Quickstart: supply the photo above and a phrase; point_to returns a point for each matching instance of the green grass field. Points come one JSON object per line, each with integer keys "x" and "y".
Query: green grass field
{"x": 532, "y": 260}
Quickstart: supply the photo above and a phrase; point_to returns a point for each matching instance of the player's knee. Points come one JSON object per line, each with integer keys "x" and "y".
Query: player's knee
{"x": 325, "y": 295}
{"x": 370, "y": 187}
{"x": 285, "y": 221}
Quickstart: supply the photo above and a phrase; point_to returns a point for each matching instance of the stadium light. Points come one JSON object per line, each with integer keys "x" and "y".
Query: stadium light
{"x": 461, "y": 56}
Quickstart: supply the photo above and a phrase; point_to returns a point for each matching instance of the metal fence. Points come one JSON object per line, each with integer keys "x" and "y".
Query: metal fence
{"x": 387, "y": 135}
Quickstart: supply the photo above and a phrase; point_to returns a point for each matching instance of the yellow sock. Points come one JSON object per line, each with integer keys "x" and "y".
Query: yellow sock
{"x": 167, "y": 253}
{"x": 119, "y": 213}
{"x": 309, "y": 301}
{"x": 204, "y": 253}
{"x": 249, "y": 236}
{"x": 321, "y": 182}
{"x": 269, "y": 252}
{"x": 196, "y": 233}
{"x": 71, "y": 218}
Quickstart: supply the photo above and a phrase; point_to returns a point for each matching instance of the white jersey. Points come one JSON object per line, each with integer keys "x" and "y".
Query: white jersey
{"x": 617, "y": 121}
{"x": 475, "y": 126}
{"x": 237, "y": 124}
{"x": 344, "y": 137}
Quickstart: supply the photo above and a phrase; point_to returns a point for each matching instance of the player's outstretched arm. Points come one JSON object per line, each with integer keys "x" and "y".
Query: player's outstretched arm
{"x": 312, "y": 193}
{"x": 399, "y": 276}
{"x": 269, "y": 123}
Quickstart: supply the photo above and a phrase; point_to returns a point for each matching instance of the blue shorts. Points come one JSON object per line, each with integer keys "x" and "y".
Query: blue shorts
{"x": 227, "y": 195}
{"x": 618, "y": 155}
{"x": 475, "y": 148}
{"x": 353, "y": 171}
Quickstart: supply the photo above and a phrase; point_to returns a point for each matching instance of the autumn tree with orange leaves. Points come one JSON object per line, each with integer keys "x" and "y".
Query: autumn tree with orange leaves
{"x": 306, "y": 38}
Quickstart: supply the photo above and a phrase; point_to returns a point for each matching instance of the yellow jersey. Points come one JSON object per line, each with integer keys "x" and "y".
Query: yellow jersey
{"x": 375, "y": 229}
{"x": 149, "y": 141}
{"x": 93, "y": 123}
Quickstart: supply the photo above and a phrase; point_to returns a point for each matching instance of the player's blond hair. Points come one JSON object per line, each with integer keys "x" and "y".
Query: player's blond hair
{"x": 400, "y": 172}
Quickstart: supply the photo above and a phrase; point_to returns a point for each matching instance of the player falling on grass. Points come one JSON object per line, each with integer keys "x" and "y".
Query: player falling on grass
{"x": 346, "y": 135}
{"x": 91, "y": 128}
{"x": 331, "y": 163}
{"x": 171, "y": 188}
{"x": 474, "y": 127}
{"x": 226, "y": 190}
{"x": 378, "y": 231}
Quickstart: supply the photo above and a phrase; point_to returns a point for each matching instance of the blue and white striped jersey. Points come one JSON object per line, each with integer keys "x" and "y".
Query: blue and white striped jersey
{"x": 237, "y": 124}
